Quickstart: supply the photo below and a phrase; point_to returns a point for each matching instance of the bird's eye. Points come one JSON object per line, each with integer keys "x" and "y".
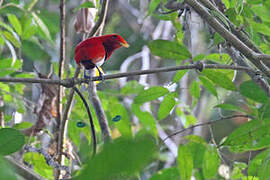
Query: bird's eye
{"x": 114, "y": 36}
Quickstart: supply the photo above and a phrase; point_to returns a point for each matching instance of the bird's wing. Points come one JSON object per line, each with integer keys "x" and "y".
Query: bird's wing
{"x": 90, "y": 50}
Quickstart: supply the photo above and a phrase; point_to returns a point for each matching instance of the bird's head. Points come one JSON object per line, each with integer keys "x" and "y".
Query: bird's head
{"x": 114, "y": 41}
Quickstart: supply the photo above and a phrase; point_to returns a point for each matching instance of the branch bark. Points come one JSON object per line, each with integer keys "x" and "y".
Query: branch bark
{"x": 227, "y": 35}
{"x": 70, "y": 82}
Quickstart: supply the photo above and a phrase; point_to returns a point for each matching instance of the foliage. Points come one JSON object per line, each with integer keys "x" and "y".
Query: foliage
{"x": 30, "y": 36}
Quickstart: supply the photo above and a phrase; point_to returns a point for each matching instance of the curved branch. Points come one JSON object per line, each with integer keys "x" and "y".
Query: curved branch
{"x": 92, "y": 126}
{"x": 206, "y": 123}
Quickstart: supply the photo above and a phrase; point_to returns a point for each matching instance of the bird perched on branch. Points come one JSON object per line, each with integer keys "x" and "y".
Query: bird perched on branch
{"x": 93, "y": 52}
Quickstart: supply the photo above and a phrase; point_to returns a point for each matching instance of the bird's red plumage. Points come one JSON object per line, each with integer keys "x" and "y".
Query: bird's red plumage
{"x": 98, "y": 48}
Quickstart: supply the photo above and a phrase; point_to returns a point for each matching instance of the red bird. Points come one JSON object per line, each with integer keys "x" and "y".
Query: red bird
{"x": 93, "y": 52}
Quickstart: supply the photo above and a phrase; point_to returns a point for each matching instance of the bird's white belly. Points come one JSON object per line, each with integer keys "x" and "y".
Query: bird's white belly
{"x": 99, "y": 63}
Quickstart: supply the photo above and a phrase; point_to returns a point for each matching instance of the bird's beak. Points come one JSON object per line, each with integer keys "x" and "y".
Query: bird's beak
{"x": 125, "y": 44}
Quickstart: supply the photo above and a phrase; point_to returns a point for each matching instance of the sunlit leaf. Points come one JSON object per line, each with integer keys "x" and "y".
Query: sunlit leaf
{"x": 15, "y": 23}
{"x": 220, "y": 79}
{"x": 153, "y": 5}
{"x": 208, "y": 85}
{"x": 43, "y": 28}
{"x": 194, "y": 89}
{"x": 179, "y": 75}
{"x": 185, "y": 162}
{"x": 211, "y": 163}
{"x": 166, "y": 105}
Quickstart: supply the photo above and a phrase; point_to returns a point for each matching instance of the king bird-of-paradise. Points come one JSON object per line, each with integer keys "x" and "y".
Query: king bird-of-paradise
{"x": 93, "y": 52}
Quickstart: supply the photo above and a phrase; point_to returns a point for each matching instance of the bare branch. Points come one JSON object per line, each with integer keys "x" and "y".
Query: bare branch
{"x": 204, "y": 124}
{"x": 70, "y": 82}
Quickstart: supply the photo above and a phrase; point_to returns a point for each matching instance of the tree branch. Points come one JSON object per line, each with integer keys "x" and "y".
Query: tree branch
{"x": 204, "y": 124}
{"x": 227, "y": 35}
{"x": 70, "y": 82}
{"x": 60, "y": 92}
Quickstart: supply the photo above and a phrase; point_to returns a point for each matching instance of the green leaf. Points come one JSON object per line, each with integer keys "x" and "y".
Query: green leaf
{"x": 253, "y": 135}
{"x": 260, "y": 27}
{"x": 146, "y": 119}
{"x": 150, "y": 94}
{"x": 39, "y": 164}
{"x": 262, "y": 12}
{"x": 208, "y": 85}
{"x": 123, "y": 157}
{"x": 252, "y": 91}
{"x": 197, "y": 147}
{"x": 87, "y": 4}
{"x": 15, "y": 23}
{"x": 132, "y": 87}
{"x": 264, "y": 111}
{"x": 43, "y": 29}
{"x": 211, "y": 163}
{"x": 218, "y": 39}
{"x": 169, "y": 49}
{"x": 194, "y": 89}
{"x": 29, "y": 29}
{"x": 169, "y": 174}
{"x": 166, "y": 105}
{"x": 220, "y": 79}
{"x": 34, "y": 51}
{"x": 179, "y": 75}
{"x": 11, "y": 140}
{"x": 185, "y": 162}
{"x": 230, "y": 107}
{"x": 199, "y": 57}
{"x": 219, "y": 58}
{"x": 123, "y": 125}
{"x": 10, "y": 37}
{"x": 6, "y": 172}
{"x": 7, "y": 64}
{"x": 259, "y": 162}
{"x": 153, "y": 5}
{"x": 22, "y": 125}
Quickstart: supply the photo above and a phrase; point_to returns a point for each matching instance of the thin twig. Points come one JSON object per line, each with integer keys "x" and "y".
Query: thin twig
{"x": 206, "y": 123}
{"x": 92, "y": 126}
